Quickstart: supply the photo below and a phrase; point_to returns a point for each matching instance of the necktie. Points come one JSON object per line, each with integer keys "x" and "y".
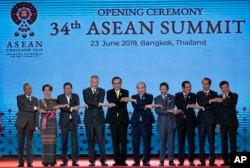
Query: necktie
{"x": 117, "y": 94}
{"x": 164, "y": 99}
{"x": 140, "y": 97}
{"x": 94, "y": 91}
{"x": 185, "y": 97}
{"x": 28, "y": 100}
{"x": 206, "y": 93}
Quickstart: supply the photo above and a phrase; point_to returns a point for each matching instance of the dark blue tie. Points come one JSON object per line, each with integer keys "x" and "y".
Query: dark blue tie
{"x": 28, "y": 100}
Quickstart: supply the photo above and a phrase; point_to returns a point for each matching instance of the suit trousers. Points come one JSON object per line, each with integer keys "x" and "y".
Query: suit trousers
{"x": 203, "y": 130}
{"x": 166, "y": 136}
{"x": 22, "y": 134}
{"x": 119, "y": 140}
{"x": 184, "y": 130}
{"x": 232, "y": 131}
{"x": 96, "y": 131}
{"x": 73, "y": 129}
{"x": 144, "y": 132}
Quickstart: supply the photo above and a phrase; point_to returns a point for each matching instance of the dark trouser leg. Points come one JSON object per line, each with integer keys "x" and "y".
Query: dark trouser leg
{"x": 91, "y": 141}
{"x": 114, "y": 128}
{"x": 123, "y": 139}
{"x": 64, "y": 134}
{"x": 170, "y": 137}
{"x": 20, "y": 138}
{"x": 146, "y": 132}
{"x": 163, "y": 141}
{"x": 202, "y": 135}
{"x": 74, "y": 141}
{"x": 181, "y": 142}
{"x": 190, "y": 136}
{"x": 232, "y": 137}
{"x": 136, "y": 134}
{"x": 210, "y": 135}
{"x": 100, "y": 136}
{"x": 29, "y": 144}
{"x": 224, "y": 146}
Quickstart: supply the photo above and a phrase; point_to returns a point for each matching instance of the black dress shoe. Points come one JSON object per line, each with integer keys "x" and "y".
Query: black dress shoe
{"x": 146, "y": 164}
{"x": 202, "y": 164}
{"x": 171, "y": 163}
{"x": 20, "y": 165}
{"x": 123, "y": 164}
{"x": 45, "y": 165}
{"x": 92, "y": 164}
{"x": 29, "y": 165}
{"x": 161, "y": 163}
{"x": 212, "y": 164}
{"x": 104, "y": 164}
{"x": 225, "y": 164}
{"x": 116, "y": 164}
{"x": 136, "y": 164}
{"x": 64, "y": 164}
{"x": 75, "y": 164}
{"x": 180, "y": 164}
{"x": 191, "y": 164}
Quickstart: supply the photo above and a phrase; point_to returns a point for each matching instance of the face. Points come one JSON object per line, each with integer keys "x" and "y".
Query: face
{"x": 67, "y": 90}
{"x": 27, "y": 90}
{"x": 205, "y": 85}
{"x": 47, "y": 92}
{"x": 163, "y": 90}
{"x": 225, "y": 88}
{"x": 117, "y": 84}
{"x": 187, "y": 88}
{"x": 94, "y": 82}
{"x": 141, "y": 89}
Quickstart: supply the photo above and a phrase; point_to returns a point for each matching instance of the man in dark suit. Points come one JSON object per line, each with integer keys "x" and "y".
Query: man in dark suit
{"x": 94, "y": 119}
{"x": 141, "y": 121}
{"x": 26, "y": 124}
{"x": 68, "y": 121}
{"x": 206, "y": 120}
{"x": 117, "y": 118}
{"x": 186, "y": 122}
{"x": 226, "y": 119}
{"x": 166, "y": 123}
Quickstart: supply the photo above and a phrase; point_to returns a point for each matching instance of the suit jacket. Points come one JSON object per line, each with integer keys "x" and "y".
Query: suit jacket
{"x": 188, "y": 113}
{"x": 119, "y": 109}
{"x": 26, "y": 113}
{"x": 208, "y": 115}
{"x": 94, "y": 112}
{"x": 140, "y": 112}
{"x": 226, "y": 114}
{"x": 165, "y": 119}
{"x": 65, "y": 112}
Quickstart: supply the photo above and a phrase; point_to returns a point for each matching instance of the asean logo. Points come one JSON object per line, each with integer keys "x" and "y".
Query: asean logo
{"x": 24, "y": 14}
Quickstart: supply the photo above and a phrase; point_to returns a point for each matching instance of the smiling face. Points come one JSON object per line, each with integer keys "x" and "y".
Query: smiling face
{"x": 186, "y": 88}
{"x": 164, "y": 90}
{"x": 47, "y": 92}
{"x": 27, "y": 89}
{"x": 206, "y": 85}
{"x": 67, "y": 90}
{"x": 94, "y": 82}
{"x": 117, "y": 84}
{"x": 141, "y": 88}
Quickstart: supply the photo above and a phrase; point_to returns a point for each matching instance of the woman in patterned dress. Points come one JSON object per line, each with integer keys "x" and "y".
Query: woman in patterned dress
{"x": 47, "y": 109}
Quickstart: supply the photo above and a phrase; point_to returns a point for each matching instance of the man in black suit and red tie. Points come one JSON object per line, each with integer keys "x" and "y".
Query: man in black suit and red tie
{"x": 206, "y": 120}
{"x": 68, "y": 122}
{"x": 118, "y": 120}
{"x": 186, "y": 121}
{"x": 226, "y": 119}
{"x": 141, "y": 121}
{"x": 26, "y": 124}
{"x": 94, "y": 119}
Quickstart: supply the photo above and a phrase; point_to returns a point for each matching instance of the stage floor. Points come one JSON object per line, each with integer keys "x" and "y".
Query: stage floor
{"x": 83, "y": 162}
